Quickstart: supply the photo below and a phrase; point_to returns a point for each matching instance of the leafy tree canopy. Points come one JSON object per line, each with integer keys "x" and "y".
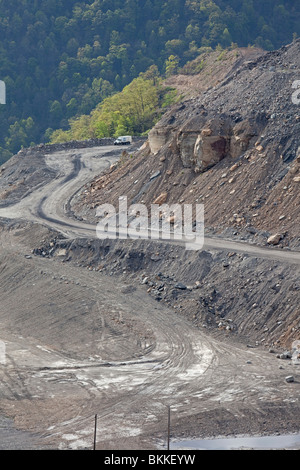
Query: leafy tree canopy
{"x": 61, "y": 58}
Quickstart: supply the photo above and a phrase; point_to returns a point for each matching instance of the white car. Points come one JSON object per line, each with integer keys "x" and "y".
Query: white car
{"x": 123, "y": 140}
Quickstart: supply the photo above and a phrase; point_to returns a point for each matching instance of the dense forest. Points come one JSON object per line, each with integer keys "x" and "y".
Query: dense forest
{"x": 61, "y": 58}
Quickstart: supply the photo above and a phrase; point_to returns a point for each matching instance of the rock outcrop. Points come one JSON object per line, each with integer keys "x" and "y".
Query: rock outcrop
{"x": 234, "y": 147}
{"x": 201, "y": 143}
{"x": 251, "y": 109}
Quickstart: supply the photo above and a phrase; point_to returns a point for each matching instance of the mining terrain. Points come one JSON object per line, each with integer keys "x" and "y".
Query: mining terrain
{"x": 127, "y": 328}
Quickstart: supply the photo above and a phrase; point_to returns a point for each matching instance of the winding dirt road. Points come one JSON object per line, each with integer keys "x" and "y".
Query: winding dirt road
{"x": 49, "y": 204}
{"x": 79, "y": 343}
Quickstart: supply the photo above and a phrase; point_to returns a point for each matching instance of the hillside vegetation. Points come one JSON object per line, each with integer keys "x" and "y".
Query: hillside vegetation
{"x": 134, "y": 110}
{"x": 60, "y": 59}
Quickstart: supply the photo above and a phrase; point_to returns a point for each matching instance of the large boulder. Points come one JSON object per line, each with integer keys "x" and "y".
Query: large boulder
{"x": 209, "y": 149}
{"x": 159, "y": 136}
{"x": 275, "y": 239}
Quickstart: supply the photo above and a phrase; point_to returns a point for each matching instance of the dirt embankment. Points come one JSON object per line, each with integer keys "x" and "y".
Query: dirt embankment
{"x": 244, "y": 297}
{"x": 69, "y": 305}
{"x": 210, "y": 69}
{"x": 28, "y": 170}
{"x": 118, "y": 301}
{"x": 234, "y": 148}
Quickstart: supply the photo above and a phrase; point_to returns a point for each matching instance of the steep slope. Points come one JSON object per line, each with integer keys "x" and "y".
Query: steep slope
{"x": 209, "y": 69}
{"x": 123, "y": 327}
{"x": 234, "y": 148}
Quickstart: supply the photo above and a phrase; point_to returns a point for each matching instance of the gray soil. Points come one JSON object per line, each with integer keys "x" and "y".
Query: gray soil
{"x": 123, "y": 329}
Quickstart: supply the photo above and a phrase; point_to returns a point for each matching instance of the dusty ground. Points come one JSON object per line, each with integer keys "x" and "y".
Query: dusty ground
{"x": 210, "y": 69}
{"x": 85, "y": 334}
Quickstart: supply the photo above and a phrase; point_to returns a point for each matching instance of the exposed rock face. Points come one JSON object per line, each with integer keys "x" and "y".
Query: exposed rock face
{"x": 209, "y": 150}
{"x": 201, "y": 142}
{"x": 251, "y": 109}
{"x": 158, "y": 137}
{"x": 212, "y": 144}
{"x": 244, "y": 134}
{"x": 233, "y": 147}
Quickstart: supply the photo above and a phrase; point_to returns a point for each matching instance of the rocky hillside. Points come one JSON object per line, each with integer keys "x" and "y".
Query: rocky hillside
{"x": 234, "y": 146}
{"x": 209, "y": 69}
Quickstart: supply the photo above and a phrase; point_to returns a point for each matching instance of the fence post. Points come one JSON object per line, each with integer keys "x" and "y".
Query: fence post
{"x": 169, "y": 425}
{"x": 95, "y": 432}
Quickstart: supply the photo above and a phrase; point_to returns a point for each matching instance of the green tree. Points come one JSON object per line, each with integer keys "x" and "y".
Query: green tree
{"x": 226, "y": 39}
{"x": 51, "y": 52}
{"x": 56, "y": 112}
{"x": 20, "y": 134}
{"x": 171, "y": 65}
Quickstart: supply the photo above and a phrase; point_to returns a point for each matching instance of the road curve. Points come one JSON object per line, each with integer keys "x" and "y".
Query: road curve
{"x": 48, "y": 204}
{"x": 183, "y": 367}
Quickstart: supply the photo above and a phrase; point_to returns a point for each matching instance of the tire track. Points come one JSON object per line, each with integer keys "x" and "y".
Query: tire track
{"x": 183, "y": 366}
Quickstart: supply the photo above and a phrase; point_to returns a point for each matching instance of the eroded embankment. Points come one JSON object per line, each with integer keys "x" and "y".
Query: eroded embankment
{"x": 245, "y": 296}
{"x": 87, "y": 327}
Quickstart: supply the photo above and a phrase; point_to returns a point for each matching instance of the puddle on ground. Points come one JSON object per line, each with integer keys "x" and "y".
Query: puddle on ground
{"x": 255, "y": 443}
